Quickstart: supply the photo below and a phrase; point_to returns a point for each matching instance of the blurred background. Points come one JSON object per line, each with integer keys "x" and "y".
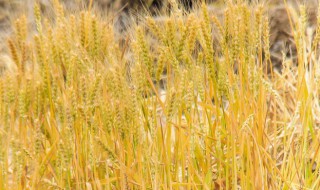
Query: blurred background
{"x": 10, "y": 9}
{"x": 120, "y": 10}
{"x": 281, "y": 38}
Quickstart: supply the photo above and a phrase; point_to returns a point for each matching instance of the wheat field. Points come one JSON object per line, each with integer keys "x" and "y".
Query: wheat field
{"x": 190, "y": 99}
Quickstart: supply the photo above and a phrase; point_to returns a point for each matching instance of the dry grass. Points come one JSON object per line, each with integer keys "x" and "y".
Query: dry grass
{"x": 160, "y": 108}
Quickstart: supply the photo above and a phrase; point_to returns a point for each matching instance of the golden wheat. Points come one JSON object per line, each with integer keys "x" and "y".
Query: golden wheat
{"x": 184, "y": 103}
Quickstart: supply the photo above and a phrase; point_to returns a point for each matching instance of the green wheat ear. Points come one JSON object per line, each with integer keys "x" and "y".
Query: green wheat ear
{"x": 37, "y": 15}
